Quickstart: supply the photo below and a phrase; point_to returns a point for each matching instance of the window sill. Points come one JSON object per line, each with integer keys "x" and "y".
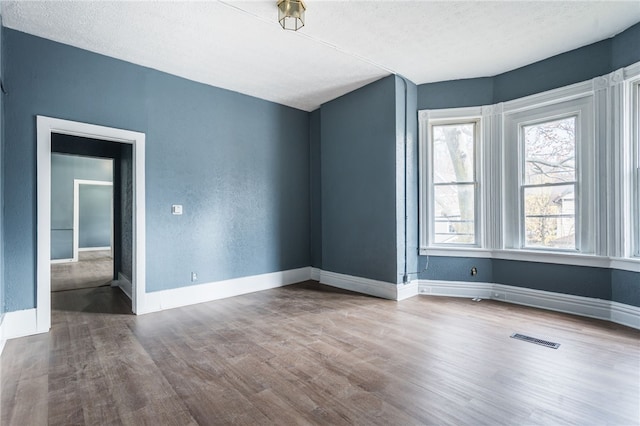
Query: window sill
{"x": 631, "y": 264}
{"x": 559, "y": 258}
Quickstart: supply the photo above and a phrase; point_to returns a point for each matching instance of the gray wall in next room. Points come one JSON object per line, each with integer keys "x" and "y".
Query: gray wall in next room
{"x": 95, "y": 203}
{"x": 124, "y": 231}
{"x": 64, "y": 170}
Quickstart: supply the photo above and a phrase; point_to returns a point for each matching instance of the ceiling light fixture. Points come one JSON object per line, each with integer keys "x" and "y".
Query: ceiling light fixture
{"x": 291, "y": 14}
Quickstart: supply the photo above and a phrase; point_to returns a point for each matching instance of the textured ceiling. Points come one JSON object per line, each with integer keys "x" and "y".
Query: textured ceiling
{"x": 238, "y": 45}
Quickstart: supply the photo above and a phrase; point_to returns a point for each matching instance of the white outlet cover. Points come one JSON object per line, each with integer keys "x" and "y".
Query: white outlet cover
{"x": 176, "y": 209}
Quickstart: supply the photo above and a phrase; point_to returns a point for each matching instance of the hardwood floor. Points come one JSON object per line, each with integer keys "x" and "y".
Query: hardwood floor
{"x": 93, "y": 269}
{"x": 310, "y": 354}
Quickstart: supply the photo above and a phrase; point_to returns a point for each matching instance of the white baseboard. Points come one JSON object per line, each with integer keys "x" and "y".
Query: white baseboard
{"x": 18, "y": 324}
{"x": 578, "y": 305}
{"x": 2, "y": 339}
{"x": 584, "y": 306}
{"x": 455, "y": 289}
{"x": 625, "y": 314}
{"x": 190, "y": 295}
{"x": 315, "y": 274}
{"x": 405, "y": 291}
{"x": 368, "y": 286}
{"x": 94, "y": 248}
{"x": 62, "y": 261}
{"x": 124, "y": 283}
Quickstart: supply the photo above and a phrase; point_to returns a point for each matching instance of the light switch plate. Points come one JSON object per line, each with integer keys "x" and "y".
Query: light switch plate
{"x": 176, "y": 209}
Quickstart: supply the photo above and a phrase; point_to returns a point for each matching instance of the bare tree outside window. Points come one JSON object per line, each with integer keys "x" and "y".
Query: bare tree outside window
{"x": 454, "y": 185}
{"x": 549, "y": 184}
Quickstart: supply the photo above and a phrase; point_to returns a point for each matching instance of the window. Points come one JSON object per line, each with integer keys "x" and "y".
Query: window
{"x": 449, "y": 190}
{"x": 550, "y": 177}
{"x": 548, "y": 184}
{"x": 454, "y": 183}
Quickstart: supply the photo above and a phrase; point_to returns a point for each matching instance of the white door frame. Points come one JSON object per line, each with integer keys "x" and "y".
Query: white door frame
{"x": 76, "y": 215}
{"x": 45, "y": 127}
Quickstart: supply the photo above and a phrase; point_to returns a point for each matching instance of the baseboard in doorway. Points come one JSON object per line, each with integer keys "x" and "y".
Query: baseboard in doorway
{"x": 124, "y": 283}
{"x": 18, "y": 324}
{"x": 62, "y": 260}
{"x": 2, "y": 339}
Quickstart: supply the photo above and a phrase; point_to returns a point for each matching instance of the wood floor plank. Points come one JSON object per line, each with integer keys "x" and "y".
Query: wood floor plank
{"x": 308, "y": 355}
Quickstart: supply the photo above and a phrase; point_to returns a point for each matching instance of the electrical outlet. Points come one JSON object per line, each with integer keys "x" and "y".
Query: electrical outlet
{"x": 194, "y": 276}
{"x": 474, "y": 271}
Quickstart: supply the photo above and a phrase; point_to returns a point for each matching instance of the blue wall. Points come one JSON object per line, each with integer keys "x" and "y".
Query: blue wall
{"x": 557, "y": 71}
{"x": 443, "y": 268}
{"x": 625, "y": 48}
{"x": 561, "y": 70}
{"x": 567, "y": 68}
{"x": 64, "y": 169}
{"x": 568, "y": 279}
{"x": 456, "y": 93}
{"x": 625, "y": 287}
{"x": 239, "y": 165}
{"x": 360, "y": 150}
{"x": 315, "y": 189}
{"x": 358, "y": 182}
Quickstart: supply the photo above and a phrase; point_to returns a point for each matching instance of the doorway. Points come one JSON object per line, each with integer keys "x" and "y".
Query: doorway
{"x": 88, "y": 137}
{"x": 82, "y": 218}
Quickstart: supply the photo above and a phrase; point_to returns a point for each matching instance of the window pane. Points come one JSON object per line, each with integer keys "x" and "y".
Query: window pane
{"x": 453, "y": 153}
{"x": 550, "y": 152}
{"x": 454, "y": 214}
{"x": 550, "y": 216}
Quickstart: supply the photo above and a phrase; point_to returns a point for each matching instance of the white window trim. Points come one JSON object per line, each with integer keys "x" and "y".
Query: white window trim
{"x": 616, "y": 146}
{"x": 513, "y": 226}
{"x": 428, "y": 118}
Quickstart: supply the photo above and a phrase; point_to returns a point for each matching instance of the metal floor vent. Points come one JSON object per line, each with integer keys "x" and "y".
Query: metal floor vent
{"x": 536, "y": 341}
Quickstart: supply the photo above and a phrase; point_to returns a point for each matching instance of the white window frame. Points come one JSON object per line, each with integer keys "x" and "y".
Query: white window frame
{"x": 634, "y": 174}
{"x": 625, "y": 111}
{"x": 582, "y": 109}
{"x": 428, "y": 119}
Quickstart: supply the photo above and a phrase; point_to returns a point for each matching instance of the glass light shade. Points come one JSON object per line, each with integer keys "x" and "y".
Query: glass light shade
{"x": 291, "y": 14}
